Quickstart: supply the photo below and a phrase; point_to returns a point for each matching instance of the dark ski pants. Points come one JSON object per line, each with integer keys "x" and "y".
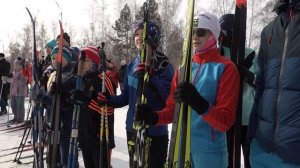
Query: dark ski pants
{"x": 158, "y": 150}
{"x": 91, "y": 157}
{"x": 3, "y": 104}
{"x": 65, "y": 142}
{"x": 245, "y": 146}
{"x": 18, "y": 108}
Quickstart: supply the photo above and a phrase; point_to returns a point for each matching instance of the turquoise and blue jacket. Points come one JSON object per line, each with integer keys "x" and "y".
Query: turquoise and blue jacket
{"x": 217, "y": 79}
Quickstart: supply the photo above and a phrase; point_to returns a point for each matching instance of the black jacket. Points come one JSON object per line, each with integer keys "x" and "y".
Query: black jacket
{"x": 4, "y": 71}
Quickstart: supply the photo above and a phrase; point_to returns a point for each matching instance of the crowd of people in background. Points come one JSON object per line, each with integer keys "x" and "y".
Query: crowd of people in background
{"x": 271, "y": 113}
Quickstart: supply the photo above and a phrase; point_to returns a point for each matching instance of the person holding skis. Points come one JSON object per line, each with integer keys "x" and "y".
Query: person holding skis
{"x": 4, "y": 85}
{"x": 275, "y": 117}
{"x": 66, "y": 109}
{"x": 90, "y": 112}
{"x": 67, "y": 43}
{"x": 247, "y": 75}
{"x": 18, "y": 91}
{"x": 157, "y": 91}
{"x": 212, "y": 95}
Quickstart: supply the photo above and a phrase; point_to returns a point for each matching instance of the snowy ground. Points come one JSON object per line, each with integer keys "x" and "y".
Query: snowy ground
{"x": 9, "y": 140}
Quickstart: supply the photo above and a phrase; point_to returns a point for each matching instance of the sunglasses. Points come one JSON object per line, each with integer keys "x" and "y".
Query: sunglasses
{"x": 200, "y": 32}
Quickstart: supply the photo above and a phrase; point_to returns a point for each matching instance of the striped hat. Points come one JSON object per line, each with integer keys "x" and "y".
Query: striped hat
{"x": 66, "y": 53}
{"x": 92, "y": 53}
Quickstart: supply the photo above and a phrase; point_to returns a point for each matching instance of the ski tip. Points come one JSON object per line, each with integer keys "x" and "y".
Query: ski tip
{"x": 240, "y": 3}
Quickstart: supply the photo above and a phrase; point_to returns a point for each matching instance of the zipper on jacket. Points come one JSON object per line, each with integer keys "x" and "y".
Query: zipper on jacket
{"x": 280, "y": 83}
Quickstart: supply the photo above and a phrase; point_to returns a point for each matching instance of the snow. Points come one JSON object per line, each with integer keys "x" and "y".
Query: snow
{"x": 12, "y": 139}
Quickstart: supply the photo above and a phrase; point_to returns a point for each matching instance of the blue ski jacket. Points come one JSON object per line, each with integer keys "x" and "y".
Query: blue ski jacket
{"x": 275, "y": 116}
{"x": 217, "y": 80}
{"x": 157, "y": 92}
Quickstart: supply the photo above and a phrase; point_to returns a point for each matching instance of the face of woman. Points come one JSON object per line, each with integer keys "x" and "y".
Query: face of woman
{"x": 200, "y": 38}
{"x": 138, "y": 38}
{"x": 17, "y": 67}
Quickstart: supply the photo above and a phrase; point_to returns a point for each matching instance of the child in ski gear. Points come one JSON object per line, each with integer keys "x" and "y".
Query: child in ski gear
{"x": 247, "y": 76}
{"x": 45, "y": 67}
{"x": 90, "y": 113}
{"x": 157, "y": 90}
{"x": 18, "y": 91}
{"x": 4, "y": 86}
{"x": 67, "y": 43}
{"x": 66, "y": 106}
{"x": 121, "y": 73}
{"x": 212, "y": 95}
{"x": 274, "y": 120}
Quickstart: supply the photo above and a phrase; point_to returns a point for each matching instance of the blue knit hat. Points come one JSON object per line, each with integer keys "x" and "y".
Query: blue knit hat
{"x": 153, "y": 33}
{"x": 51, "y": 44}
{"x": 66, "y": 53}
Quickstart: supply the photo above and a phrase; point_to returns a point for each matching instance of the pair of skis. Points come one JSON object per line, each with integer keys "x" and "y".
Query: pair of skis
{"x": 54, "y": 133}
{"x": 142, "y": 140}
{"x": 238, "y": 57}
{"x": 104, "y": 157}
{"x": 75, "y": 119}
{"x": 179, "y": 150}
{"x": 37, "y": 110}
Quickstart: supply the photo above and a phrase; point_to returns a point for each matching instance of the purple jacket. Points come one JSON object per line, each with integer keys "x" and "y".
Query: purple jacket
{"x": 19, "y": 84}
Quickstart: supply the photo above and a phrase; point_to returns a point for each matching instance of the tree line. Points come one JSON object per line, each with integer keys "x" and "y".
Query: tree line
{"x": 119, "y": 35}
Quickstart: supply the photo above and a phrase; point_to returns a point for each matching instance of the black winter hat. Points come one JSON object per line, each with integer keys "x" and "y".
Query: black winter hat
{"x": 66, "y": 37}
{"x": 226, "y": 23}
{"x": 281, "y": 5}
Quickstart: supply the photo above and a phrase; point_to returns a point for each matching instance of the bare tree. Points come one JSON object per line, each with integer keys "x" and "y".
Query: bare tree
{"x": 41, "y": 38}
{"x": 173, "y": 39}
{"x": 14, "y": 51}
{"x": 262, "y": 16}
{"x": 26, "y": 46}
{"x": 221, "y": 7}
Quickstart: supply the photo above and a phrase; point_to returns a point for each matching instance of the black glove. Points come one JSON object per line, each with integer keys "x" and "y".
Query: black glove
{"x": 43, "y": 99}
{"x": 35, "y": 93}
{"x": 78, "y": 97}
{"x": 103, "y": 99}
{"x": 186, "y": 92}
{"x": 145, "y": 113}
{"x": 246, "y": 75}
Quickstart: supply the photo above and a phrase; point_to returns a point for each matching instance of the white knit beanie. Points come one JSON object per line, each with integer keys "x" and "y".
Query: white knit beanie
{"x": 208, "y": 21}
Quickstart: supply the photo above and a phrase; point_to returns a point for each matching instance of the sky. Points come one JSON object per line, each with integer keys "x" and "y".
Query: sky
{"x": 13, "y": 15}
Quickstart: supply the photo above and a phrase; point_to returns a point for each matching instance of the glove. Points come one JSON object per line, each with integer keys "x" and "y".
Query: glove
{"x": 246, "y": 75}
{"x": 103, "y": 99}
{"x": 140, "y": 70}
{"x": 78, "y": 97}
{"x": 145, "y": 113}
{"x": 35, "y": 93}
{"x": 39, "y": 96}
{"x": 186, "y": 92}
